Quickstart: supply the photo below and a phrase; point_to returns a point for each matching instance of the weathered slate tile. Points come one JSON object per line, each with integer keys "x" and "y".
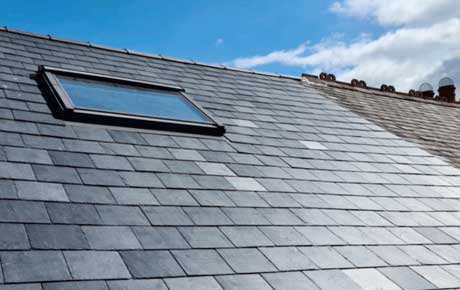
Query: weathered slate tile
{"x": 289, "y": 280}
{"x": 80, "y": 285}
{"x": 201, "y": 262}
{"x": 73, "y": 213}
{"x": 18, "y": 154}
{"x": 111, "y": 238}
{"x": 288, "y": 258}
{"x": 121, "y": 215}
{"x": 71, "y": 159}
{"x": 144, "y": 284}
{"x": 207, "y": 216}
{"x": 9, "y": 170}
{"x": 371, "y": 279}
{"x": 205, "y": 237}
{"x": 34, "y": 266}
{"x": 173, "y": 197}
{"x": 133, "y": 196}
{"x": 56, "y": 174}
{"x": 100, "y": 177}
{"x": 243, "y": 282}
{"x": 406, "y": 278}
{"x": 154, "y": 238}
{"x": 13, "y": 237}
{"x": 92, "y": 265}
{"x": 151, "y": 264}
{"x": 41, "y": 191}
{"x": 332, "y": 280}
{"x": 53, "y": 237}
{"x": 247, "y": 236}
{"x": 193, "y": 283}
{"x": 89, "y": 194}
{"x": 23, "y": 212}
{"x": 246, "y": 260}
{"x": 167, "y": 216}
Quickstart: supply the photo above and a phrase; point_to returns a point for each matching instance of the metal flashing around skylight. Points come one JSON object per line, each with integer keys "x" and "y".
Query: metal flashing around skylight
{"x": 80, "y": 96}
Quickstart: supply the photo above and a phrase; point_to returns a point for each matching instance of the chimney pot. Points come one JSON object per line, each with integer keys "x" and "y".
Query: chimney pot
{"x": 446, "y": 90}
{"x": 426, "y": 91}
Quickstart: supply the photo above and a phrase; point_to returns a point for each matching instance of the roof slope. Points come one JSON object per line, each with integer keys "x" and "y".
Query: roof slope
{"x": 301, "y": 193}
{"x": 433, "y": 124}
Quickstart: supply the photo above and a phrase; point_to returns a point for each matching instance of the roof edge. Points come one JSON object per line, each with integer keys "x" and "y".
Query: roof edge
{"x": 375, "y": 91}
{"x": 143, "y": 54}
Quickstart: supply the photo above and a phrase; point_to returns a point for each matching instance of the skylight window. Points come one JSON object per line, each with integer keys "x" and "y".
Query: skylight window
{"x": 103, "y": 99}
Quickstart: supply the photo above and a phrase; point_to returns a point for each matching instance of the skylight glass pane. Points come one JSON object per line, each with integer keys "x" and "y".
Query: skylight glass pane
{"x": 110, "y": 97}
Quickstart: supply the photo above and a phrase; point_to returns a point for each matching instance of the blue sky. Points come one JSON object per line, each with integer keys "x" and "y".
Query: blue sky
{"x": 403, "y": 43}
{"x": 204, "y": 30}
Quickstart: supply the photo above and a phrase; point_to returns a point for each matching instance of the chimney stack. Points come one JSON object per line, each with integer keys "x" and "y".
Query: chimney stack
{"x": 426, "y": 91}
{"x": 446, "y": 90}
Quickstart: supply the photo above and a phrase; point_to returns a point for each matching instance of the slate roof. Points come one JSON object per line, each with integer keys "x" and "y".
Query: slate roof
{"x": 301, "y": 192}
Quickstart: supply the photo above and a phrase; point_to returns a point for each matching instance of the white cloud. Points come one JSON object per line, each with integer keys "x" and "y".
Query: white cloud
{"x": 399, "y": 12}
{"x": 412, "y": 52}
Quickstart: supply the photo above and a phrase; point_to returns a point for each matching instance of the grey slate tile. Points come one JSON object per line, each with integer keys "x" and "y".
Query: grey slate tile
{"x": 111, "y": 238}
{"x": 289, "y": 281}
{"x": 211, "y": 198}
{"x": 215, "y": 169}
{"x": 173, "y": 197}
{"x": 436, "y": 235}
{"x": 91, "y": 265}
{"x": 207, "y": 216}
{"x": 10, "y": 170}
{"x": 83, "y": 146}
{"x": 42, "y": 142}
{"x": 288, "y": 258}
{"x": 319, "y": 235}
{"x": 23, "y": 211}
{"x": 80, "y": 285}
{"x": 148, "y": 164}
{"x": 141, "y": 179}
{"x": 133, "y": 196}
{"x": 188, "y": 167}
{"x": 51, "y": 237}
{"x": 100, "y": 177}
{"x": 360, "y": 256}
{"x": 56, "y": 174}
{"x": 7, "y": 189}
{"x": 245, "y": 183}
{"x": 201, "y": 262}
{"x": 406, "y": 278}
{"x": 127, "y": 137}
{"x": 284, "y": 236}
{"x": 246, "y": 260}
{"x": 167, "y": 216}
{"x": 34, "y": 266}
{"x": 246, "y": 199}
{"x": 13, "y": 237}
{"x": 205, "y": 237}
{"x": 33, "y": 286}
{"x": 422, "y": 255}
{"x": 247, "y": 236}
{"x": 437, "y": 276}
{"x": 280, "y": 216}
{"x": 326, "y": 257}
{"x": 186, "y": 154}
{"x": 145, "y": 284}
{"x": 121, "y": 215}
{"x": 151, "y": 264}
{"x": 41, "y": 191}
{"x": 243, "y": 282}
{"x": 73, "y": 213}
{"x": 71, "y": 159}
{"x": 392, "y": 255}
{"x": 245, "y": 216}
{"x": 111, "y": 162}
{"x": 154, "y": 152}
{"x": 371, "y": 279}
{"x": 213, "y": 182}
{"x": 88, "y": 194}
{"x": 332, "y": 280}
{"x": 193, "y": 283}
{"x": 153, "y": 238}
{"x": 27, "y": 155}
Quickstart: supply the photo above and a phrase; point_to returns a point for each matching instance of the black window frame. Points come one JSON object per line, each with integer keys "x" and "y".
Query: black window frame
{"x": 63, "y": 108}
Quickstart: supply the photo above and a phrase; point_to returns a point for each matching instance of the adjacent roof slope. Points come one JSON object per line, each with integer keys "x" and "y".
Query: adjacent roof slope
{"x": 432, "y": 124}
{"x": 301, "y": 193}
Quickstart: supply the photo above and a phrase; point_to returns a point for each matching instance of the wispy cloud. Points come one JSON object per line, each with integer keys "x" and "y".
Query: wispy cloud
{"x": 409, "y": 52}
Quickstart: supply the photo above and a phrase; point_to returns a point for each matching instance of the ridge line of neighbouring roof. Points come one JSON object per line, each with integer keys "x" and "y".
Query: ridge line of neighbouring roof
{"x": 143, "y": 54}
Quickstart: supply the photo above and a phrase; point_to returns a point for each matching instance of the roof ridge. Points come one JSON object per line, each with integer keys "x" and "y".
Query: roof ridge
{"x": 143, "y": 54}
